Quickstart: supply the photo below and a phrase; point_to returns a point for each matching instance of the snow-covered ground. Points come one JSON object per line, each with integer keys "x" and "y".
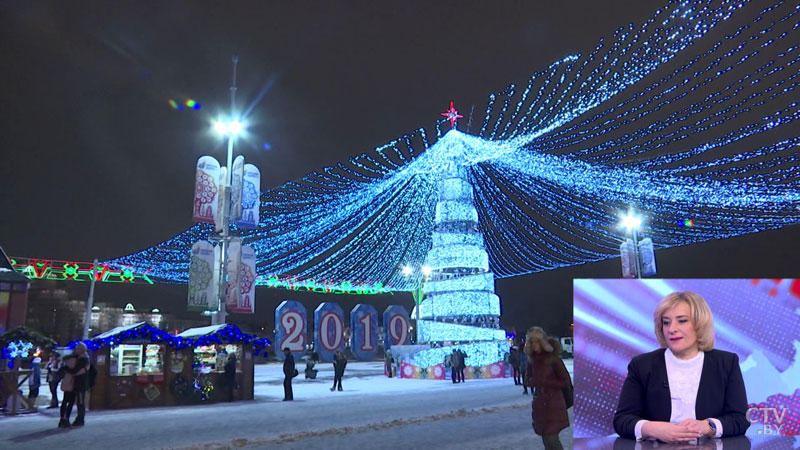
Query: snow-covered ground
{"x": 373, "y": 411}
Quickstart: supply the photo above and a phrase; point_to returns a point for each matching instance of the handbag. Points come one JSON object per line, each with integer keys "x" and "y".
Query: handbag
{"x": 296, "y": 373}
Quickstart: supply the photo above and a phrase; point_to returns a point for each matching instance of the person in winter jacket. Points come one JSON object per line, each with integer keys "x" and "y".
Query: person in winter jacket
{"x": 513, "y": 359}
{"x": 388, "y": 361}
{"x": 35, "y": 380}
{"x": 548, "y": 377}
{"x": 462, "y": 357}
{"x": 289, "y": 371}
{"x": 75, "y": 383}
{"x": 523, "y": 370}
{"x": 53, "y": 378}
{"x": 229, "y": 376}
{"x": 339, "y": 363}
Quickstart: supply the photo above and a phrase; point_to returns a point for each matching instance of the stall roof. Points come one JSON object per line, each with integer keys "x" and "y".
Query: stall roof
{"x": 202, "y": 331}
{"x": 7, "y": 272}
{"x": 118, "y": 330}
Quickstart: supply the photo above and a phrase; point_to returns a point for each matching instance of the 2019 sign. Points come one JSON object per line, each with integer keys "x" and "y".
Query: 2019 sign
{"x": 329, "y": 329}
{"x": 290, "y": 328}
{"x": 396, "y": 326}
{"x": 364, "y": 322}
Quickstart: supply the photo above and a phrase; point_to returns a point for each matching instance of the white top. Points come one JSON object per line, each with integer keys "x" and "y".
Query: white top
{"x": 202, "y": 331}
{"x": 684, "y": 380}
{"x": 118, "y": 330}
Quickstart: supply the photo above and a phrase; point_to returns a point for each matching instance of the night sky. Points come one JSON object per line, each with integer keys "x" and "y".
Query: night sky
{"x": 95, "y": 162}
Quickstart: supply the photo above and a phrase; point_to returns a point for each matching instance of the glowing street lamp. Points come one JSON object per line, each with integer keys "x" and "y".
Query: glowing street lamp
{"x": 632, "y": 223}
{"x": 231, "y": 129}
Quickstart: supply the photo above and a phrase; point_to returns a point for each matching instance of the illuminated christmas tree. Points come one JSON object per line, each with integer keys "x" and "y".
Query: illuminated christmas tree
{"x": 460, "y": 303}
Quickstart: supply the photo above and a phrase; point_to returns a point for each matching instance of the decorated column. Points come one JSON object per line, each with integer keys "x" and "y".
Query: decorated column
{"x": 290, "y": 328}
{"x": 364, "y": 323}
{"x": 328, "y": 330}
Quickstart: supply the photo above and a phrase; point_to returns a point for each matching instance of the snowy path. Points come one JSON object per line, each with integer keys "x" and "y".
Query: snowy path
{"x": 372, "y": 412}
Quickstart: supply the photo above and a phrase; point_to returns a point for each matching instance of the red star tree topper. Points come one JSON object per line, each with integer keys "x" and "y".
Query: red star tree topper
{"x": 452, "y": 115}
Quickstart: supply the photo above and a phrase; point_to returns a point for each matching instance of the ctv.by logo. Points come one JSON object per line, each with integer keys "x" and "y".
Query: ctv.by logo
{"x": 768, "y": 428}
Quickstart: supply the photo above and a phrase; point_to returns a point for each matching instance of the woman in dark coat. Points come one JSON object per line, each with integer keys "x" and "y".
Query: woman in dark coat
{"x": 686, "y": 389}
{"x": 547, "y": 376}
{"x": 339, "y": 363}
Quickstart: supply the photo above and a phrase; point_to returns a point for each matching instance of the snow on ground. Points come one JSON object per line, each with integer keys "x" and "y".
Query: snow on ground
{"x": 373, "y": 411}
{"x": 361, "y": 378}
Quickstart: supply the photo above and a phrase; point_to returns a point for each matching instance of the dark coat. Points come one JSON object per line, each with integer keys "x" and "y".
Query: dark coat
{"x": 548, "y": 376}
{"x": 79, "y": 370}
{"x": 338, "y": 366}
{"x": 513, "y": 358}
{"x": 229, "y": 376}
{"x": 646, "y": 395}
{"x": 288, "y": 365}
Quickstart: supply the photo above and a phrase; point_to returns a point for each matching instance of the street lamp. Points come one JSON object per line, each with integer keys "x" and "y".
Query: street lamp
{"x": 418, "y": 293}
{"x": 231, "y": 128}
{"x": 632, "y": 223}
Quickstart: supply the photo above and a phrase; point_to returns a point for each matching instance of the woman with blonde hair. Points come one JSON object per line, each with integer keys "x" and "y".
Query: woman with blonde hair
{"x": 686, "y": 389}
{"x": 547, "y": 376}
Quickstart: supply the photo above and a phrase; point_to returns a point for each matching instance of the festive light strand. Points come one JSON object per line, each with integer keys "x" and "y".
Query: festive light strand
{"x": 689, "y": 116}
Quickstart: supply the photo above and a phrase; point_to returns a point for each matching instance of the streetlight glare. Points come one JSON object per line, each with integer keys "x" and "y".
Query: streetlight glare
{"x": 407, "y": 270}
{"x": 426, "y": 270}
{"x": 235, "y": 127}
{"x": 631, "y": 221}
{"x": 220, "y": 127}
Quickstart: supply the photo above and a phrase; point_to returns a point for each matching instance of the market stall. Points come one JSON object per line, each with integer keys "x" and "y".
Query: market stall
{"x": 209, "y": 355}
{"x": 139, "y": 365}
{"x": 132, "y": 366}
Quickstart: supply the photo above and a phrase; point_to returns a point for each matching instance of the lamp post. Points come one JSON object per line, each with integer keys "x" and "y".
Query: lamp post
{"x": 230, "y": 128}
{"x": 631, "y": 222}
{"x": 418, "y": 293}
{"x": 90, "y": 302}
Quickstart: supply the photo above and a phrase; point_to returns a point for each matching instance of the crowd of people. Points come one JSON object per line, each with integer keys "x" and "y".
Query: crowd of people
{"x": 684, "y": 329}
{"x": 535, "y": 364}
{"x": 73, "y": 376}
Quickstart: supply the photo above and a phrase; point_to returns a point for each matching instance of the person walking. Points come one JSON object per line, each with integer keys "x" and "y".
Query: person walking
{"x": 289, "y": 372}
{"x": 75, "y": 383}
{"x": 339, "y": 363}
{"x": 35, "y": 380}
{"x": 523, "y": 371}
{"x": 388, "y": 361}
{"x": 454, "y": 366}
{"x": 229, "y": 376}
{"x": 462, "y": 358}
{"x": 53, "y": 378}
{"x": 513, "y": 359}
{"x": 548, "y": 376}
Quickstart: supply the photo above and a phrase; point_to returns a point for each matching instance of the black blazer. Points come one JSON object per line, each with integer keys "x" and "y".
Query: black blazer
{"x": 645, "y": 393}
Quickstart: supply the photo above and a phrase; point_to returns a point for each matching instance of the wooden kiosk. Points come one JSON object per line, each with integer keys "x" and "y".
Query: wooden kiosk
{"x": 142, "y": 366}
{"x": 208, "y": 358}
{"x": 132, "y": 370}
